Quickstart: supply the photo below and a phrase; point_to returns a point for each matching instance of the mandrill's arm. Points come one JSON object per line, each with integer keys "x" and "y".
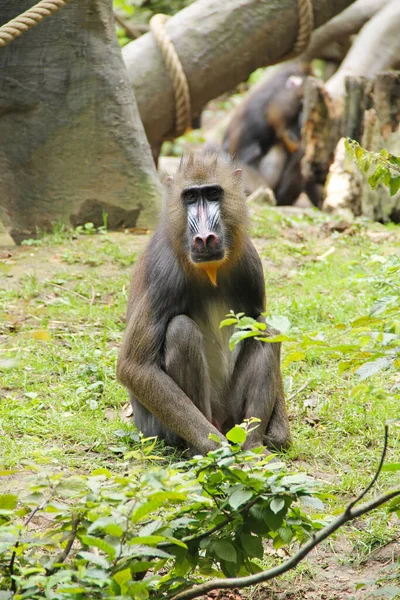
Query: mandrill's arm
{"x": 139, "y": 365}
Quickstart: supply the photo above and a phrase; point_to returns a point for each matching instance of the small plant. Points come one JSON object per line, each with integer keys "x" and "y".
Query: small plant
{"x": 379, "y": 167}
{"x": 154, "y": 531}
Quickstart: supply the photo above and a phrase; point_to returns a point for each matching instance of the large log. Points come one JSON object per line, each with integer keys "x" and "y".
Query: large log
{"x": 72, "y": 144}
{"x": 219, "y": 45}
{"x": 376, "y": 48}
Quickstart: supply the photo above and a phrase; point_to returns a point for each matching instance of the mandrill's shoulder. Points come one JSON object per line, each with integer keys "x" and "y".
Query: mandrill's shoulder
{"x": 158, "y": 272}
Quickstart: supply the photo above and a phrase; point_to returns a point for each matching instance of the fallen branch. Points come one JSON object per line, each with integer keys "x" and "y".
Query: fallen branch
{"x": 350, "y": 513}
{"x": 340, "y": 27}
{"x": 376, "y": 48}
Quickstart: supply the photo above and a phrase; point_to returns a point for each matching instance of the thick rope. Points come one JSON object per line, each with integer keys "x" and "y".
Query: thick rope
{"x": 306, "y": 26}
{"x": 9, "y": 31}
{"x": 175, "y": 72}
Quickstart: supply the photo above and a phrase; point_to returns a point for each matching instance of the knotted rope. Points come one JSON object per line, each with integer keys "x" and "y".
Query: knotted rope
{"x": 9, "y": 31}
{"x": 306, "y": 26}
{"x": 175, "y": 72}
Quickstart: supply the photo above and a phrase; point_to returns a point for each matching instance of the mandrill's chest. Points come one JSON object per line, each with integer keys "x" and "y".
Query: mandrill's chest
{"x": 219, "y": 358}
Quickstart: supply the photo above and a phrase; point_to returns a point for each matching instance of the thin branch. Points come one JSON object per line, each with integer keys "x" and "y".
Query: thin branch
{"x": 234, "y": 582}
{"x": 228, "y": 519}
{"x": 61, "y": 287}
{"x": 62, "y": 557}
{"x": 301, "y": 389}
{"x": 131, "y": 32}
{"x": 349, "y": 514}
{"x": 375, "y": 477}
{"x": 14, "y": 554}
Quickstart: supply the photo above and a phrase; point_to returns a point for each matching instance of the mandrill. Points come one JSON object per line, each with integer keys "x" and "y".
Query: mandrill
{"x": 183, "y": 380}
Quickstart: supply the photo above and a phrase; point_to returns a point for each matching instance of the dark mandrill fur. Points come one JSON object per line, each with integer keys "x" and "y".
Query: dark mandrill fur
{"x": 183, "y": 381}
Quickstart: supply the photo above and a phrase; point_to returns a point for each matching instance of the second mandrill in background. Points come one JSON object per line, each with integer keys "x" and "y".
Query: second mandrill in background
{"x": 183, "y": 380}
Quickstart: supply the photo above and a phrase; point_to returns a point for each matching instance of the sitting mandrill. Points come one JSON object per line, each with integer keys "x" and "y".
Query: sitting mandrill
{"x": 183, "y": 380}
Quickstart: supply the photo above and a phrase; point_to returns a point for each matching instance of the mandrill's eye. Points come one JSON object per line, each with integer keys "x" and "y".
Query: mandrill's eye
{"x": 213, "y": 193}
{"x": 190, "y": 196}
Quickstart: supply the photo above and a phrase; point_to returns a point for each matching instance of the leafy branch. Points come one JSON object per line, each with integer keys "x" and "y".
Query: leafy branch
{"x": 350, "y": 513}
{"x": 380, "y": 167}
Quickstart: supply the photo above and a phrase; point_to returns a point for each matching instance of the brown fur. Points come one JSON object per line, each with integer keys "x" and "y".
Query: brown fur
{"x": 178, "y": 390}
{"x": 201, "y": 169}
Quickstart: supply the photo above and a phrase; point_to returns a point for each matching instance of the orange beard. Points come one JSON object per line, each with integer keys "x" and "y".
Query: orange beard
{"x": 211, "y": 268}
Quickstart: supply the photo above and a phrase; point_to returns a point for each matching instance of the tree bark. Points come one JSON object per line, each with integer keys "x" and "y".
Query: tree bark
{"x": 320, "y": 132}
{"x": 375, "y": 124}
{"x": 340, "y": 27}
{"x": 219, "y": 45}
{"x": 381, "y": 129}
{"x": 72, "y": 144}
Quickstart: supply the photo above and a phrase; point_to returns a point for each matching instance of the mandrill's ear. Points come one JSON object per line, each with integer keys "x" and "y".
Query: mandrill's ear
{"x": 169, "y": 180}
{"x": 237, "y": 172}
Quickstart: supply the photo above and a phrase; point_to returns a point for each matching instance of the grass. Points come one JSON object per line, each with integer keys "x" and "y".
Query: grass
{"x": 62, "y": 304}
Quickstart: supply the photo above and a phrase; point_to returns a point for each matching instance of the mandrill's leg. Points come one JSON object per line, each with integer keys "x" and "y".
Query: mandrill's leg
{"x": 185, "y": 363}
{"x": 256, "y": 390}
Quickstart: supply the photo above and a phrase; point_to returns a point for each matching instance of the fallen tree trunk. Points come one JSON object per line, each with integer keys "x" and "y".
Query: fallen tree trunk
{"x": 72, "y": 144}
{"x": 376, "y": 49}
{"x": 219, "y": 45}
{"x": 340, "y": 27}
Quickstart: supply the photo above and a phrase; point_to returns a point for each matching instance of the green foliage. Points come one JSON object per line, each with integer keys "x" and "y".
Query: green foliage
{"x": 366, "y": 346}
{"x": 168, "y": 7}
{"x": 153, "y": 531}
{"x": 141, "y": 11}
{"x": 380, "y": 167}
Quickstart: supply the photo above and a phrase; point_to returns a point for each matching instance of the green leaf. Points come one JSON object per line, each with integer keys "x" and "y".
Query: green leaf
{"x": 142, "y": 550}
{"x": 140, "y": 567}
{"x": 285, "y": 533}
{"x": 237, "y": 435}
{"x": 394, "y": 186}
{"x": 156, "y": 501}
{"x": 122, "y": 577}
{"x": 239, "y": 497}
{"x": 8, "y": 501}
{"x": 293, "y": 357}
{"x": 238, "y": 336}
{"x": 277, "y": 504}
{"x": 273, "y": 520}
{"x": 89, "y": 540}
{"x": 228, "y": 322}
{"x": 253, "y": 567}
{"x": 252, "y": 545}
{"x": 96, "y": 559}
{"x": 246, "y": 322}
{"x": 279, "y": 322}
{"x": 372, "y": 368}
{"x": 391, "y": 467}
{"x": 225, "y": 550}
{"x": 313, "y": 502}
{"x": 113, "y": 529}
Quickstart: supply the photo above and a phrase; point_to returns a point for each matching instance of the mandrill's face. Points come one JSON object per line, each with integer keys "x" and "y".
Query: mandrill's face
{"x": 206, "y": 213}
{"x": 204, "y": 223}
